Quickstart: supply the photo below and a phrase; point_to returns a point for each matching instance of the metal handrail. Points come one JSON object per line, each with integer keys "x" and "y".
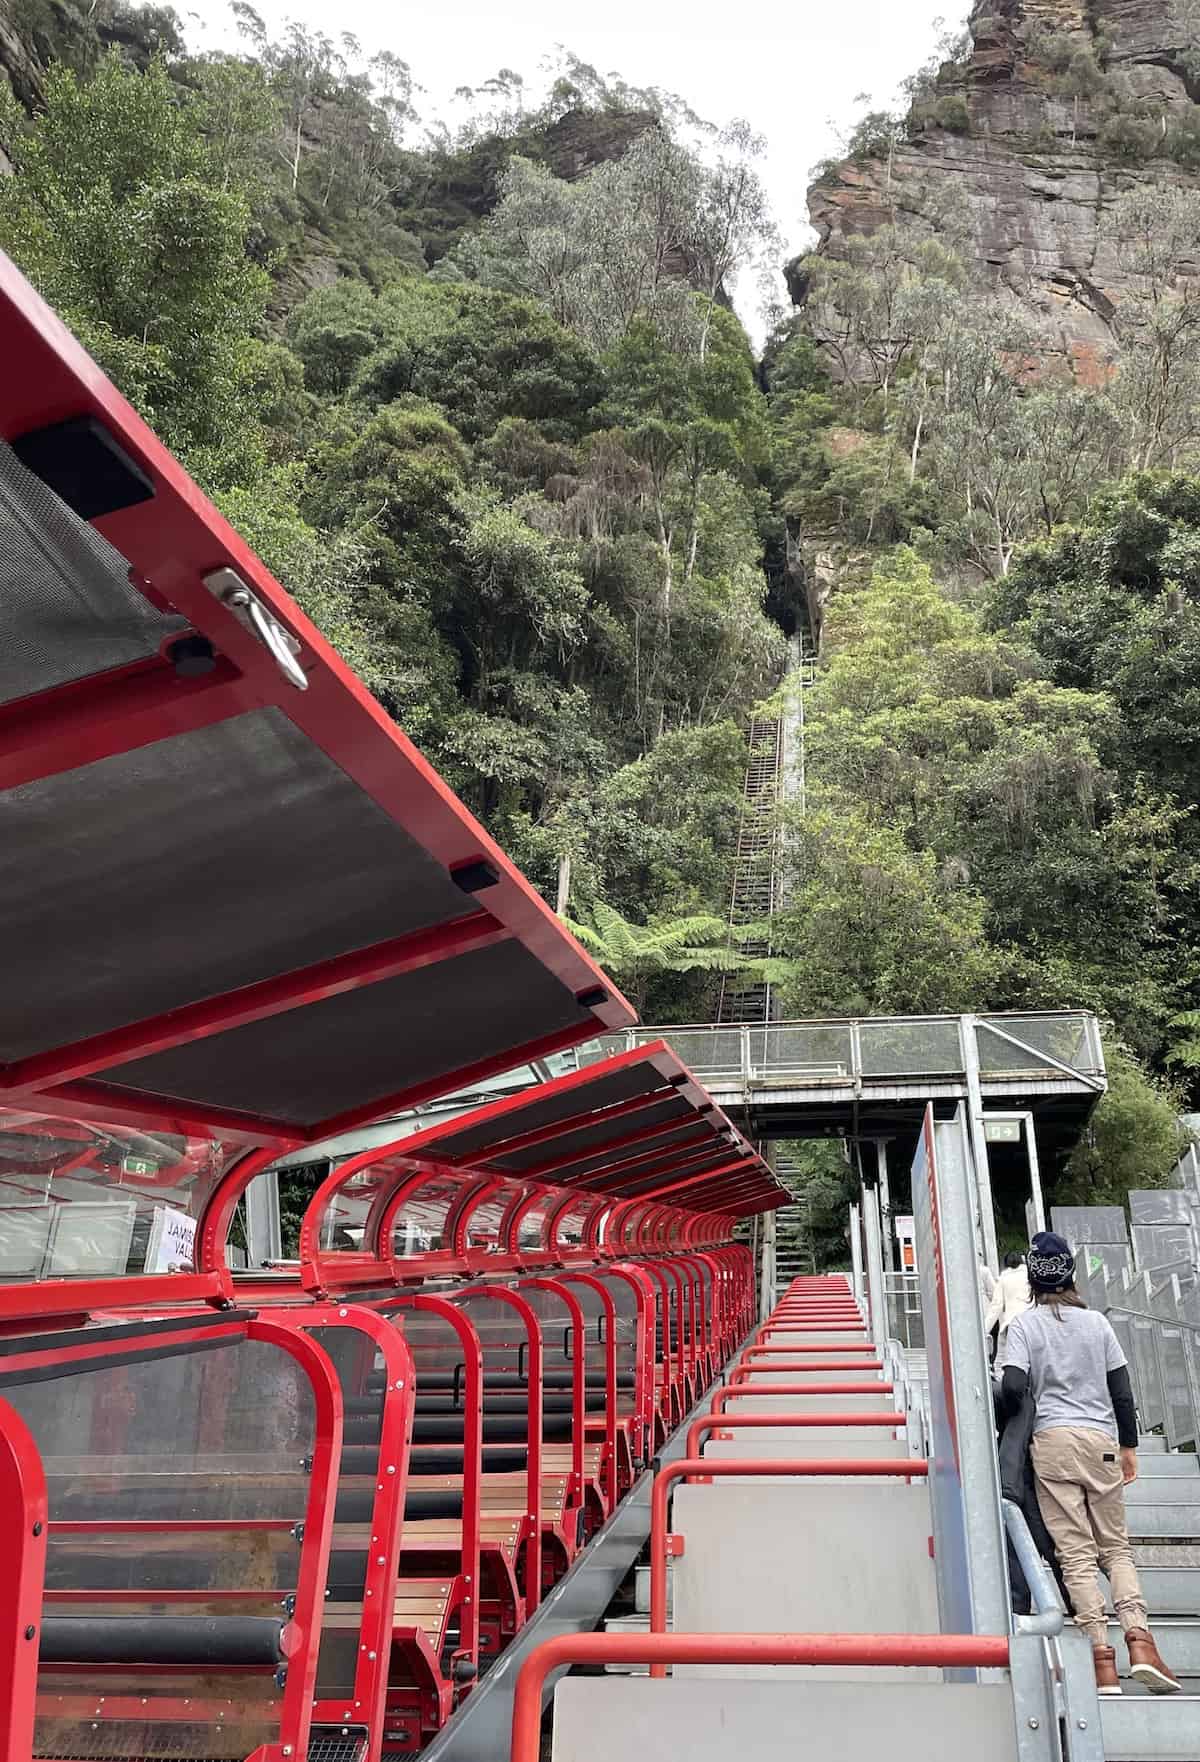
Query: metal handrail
{"x": 1050, "y": 1618}
{"x": 970, "y": 1651}
{"x": 1144, "y": 1315}
{"x": 850, "y": 1059}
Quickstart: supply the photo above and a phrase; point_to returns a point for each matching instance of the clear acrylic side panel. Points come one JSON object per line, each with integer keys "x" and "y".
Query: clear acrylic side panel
{"x": 531, "y": 1231}
{"x": 708, "y": 1298}
{"x": 80, "y": 1200}
{"x": 421, "y": 1222}
{"x": 595, "y": 1336}
{"x": 439, "y": 1357}
{"x": 360, "y": 1375}
{"x": 213, "y": 1442}
{"x": 344, "y": 1225}
{"x": 625, "y": 1303}
{"x": 558, "y": 1335}
{"x": 572, "y": 1226}
{"x": 503, "y": 1336}
{"x": 486, "y": 1222}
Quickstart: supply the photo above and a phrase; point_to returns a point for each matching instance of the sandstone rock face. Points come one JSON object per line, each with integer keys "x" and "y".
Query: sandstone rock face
{"x": 1025, "y": 192}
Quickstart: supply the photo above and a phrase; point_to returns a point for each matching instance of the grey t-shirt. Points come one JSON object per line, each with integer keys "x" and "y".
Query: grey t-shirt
{"x": 1068, "y": 1354}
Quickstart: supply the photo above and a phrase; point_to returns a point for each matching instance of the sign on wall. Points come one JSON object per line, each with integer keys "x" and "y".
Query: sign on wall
{"x": 171, "y": 1248}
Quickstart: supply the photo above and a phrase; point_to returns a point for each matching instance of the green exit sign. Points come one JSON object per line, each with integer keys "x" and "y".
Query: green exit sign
{"x": 138, "y": 1165}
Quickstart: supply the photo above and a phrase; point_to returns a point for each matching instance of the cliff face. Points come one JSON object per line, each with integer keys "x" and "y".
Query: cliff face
{"x": 1067, "y": 104}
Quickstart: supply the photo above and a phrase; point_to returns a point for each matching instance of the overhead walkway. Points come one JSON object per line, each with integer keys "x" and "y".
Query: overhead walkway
{"x": 875, "y": 1074}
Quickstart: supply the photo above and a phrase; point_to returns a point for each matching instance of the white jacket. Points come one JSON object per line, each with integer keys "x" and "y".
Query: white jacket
{"x": 1011, "y": 1298}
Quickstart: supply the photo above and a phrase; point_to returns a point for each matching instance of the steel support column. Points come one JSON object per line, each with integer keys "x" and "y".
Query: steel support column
{"x": 876, "y": 1299}
{"x": 983, "y": 1173}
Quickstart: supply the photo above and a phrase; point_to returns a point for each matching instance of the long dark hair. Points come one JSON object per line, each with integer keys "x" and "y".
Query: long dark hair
{"x": 1067, "y": 1298}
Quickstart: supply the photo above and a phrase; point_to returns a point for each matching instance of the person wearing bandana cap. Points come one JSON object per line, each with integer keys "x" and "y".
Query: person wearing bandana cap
{"x": 1084, "y": 1451}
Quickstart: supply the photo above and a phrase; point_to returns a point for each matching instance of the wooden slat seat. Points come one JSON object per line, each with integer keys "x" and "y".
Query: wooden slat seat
{"x": 419, "y": 1603}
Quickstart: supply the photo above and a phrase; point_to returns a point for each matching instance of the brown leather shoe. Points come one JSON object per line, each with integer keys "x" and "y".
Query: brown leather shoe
{"x": 1107, "y": 1680}
{"x": 1145, "y": 1665}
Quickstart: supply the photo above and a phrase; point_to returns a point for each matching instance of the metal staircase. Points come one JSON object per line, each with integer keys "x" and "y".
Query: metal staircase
{"x": 754, "y": 884}
{"x": 1163, "y": 1511}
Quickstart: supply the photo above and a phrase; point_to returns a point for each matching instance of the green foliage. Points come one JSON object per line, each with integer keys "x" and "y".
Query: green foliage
{"x": 970, "y": 833}
{"x": 137, "y": 236}
{"x": 951, "y": 113}
{"x": 824, "y": 1182}
{"x": 632, "y": 953}
{"x": 1133, "y": 1140}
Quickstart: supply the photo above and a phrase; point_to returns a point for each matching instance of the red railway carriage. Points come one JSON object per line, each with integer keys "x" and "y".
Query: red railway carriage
{"x": 289, "y": 1517}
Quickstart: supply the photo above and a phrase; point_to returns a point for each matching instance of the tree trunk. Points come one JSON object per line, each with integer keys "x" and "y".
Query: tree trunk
{"x": 916, "y": 446}
{"x": 563, "y": 896}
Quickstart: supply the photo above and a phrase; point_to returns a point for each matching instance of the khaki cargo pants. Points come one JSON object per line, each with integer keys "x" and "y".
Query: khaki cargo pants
{"x": 1082, "y": 1495}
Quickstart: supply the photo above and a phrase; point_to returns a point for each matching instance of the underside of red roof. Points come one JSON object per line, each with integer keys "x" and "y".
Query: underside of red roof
{"x": 233, "y": 895}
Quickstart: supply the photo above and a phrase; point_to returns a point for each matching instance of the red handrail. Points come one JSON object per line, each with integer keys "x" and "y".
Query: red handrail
{"x": 962, "y": 1651}
{"x": 814, "y": 1346}
{"x": 909, "y": 1466}
{"x": 712, "y": 1422}
{"x": 741, "y": 1370}
{"x": 729, "y": 1391}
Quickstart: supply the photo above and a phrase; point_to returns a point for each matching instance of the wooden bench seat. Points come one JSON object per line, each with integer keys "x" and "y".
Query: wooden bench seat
{"x": 418, "y": 1603}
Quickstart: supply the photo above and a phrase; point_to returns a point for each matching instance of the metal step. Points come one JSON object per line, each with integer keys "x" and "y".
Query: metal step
{"x": 1152, "y": 1444}
{"x": 1178, "y": 1464}
{"x": 1168, "y": 1590}
{"x": 1165, "y": 1489}
{"x": 1151, "y": 1728}
{"x": 1179, "y": 1521}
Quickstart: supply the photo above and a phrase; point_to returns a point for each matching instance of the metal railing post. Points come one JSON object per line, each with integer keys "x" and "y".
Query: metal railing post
{"x": 983, "y": 1173}
{"x": 885, "y": 1206}
{"x": 876, "y": 1299}
{"x": 856, "y": 1254}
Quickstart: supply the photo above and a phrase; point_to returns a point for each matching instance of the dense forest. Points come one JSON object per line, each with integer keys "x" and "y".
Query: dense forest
{"x": 479, "y": 398}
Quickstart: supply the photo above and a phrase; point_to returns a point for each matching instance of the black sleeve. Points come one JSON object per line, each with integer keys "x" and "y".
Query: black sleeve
{"x": 1012, "y": 1389}
{"x": 1121, "y": 1394}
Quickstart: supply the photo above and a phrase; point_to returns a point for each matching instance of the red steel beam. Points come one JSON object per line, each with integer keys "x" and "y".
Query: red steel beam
{"x": 690, "y": 1128}
{"x": 257, "y": 1002}
{"x": 572, "y": 1123}
{"x": 116, "y": 712}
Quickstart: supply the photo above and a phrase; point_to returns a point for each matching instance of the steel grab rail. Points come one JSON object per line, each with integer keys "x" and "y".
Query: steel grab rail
{"x": 910, "y": 1466}
{"x": 962, "y": 1651}
{"x": 814, "y": 1346}
{"x": 768, "y": 1391}
{"x": 742, "y": 1371}
{"x": 712, "y": 1422}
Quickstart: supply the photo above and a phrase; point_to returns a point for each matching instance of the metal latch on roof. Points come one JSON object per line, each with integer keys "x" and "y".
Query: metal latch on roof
{"x": 228, "y": 586}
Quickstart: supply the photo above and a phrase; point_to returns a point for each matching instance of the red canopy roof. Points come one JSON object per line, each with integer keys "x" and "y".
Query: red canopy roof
{"x": 233, "y": 895}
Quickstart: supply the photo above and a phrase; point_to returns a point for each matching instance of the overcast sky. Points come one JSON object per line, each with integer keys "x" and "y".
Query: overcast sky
{"x": 792, "y": 68}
